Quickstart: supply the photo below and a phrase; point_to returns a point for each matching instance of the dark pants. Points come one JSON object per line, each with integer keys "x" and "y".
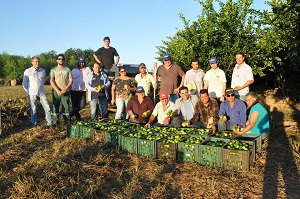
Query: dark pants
{"x": 64, "y": 100}
{"x": 78, "y": 99}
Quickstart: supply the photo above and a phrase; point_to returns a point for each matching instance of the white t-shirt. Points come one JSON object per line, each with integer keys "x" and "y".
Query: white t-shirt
{"x": 240, "y": 76}
{"x": 145, "y": 82}
{"x": 215, "y": 79}
{"x": 160, "y": 113}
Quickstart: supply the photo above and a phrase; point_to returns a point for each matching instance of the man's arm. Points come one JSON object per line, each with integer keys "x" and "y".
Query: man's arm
{"x": 117, "y": 61}
{"x": 97, "y": 59}
{"x": 25, "y": 82}
{"x": 248, "y": 83}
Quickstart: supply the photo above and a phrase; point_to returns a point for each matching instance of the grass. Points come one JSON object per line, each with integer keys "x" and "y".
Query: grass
{"x": 43, "y": 163}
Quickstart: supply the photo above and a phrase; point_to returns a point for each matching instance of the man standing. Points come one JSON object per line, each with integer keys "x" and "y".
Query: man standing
{"x": 168, "y": 73}
{"x": 206, "y": 112}
{"x": 33, "y": 83}
{"x": 97, "y": 84}
{"x": 140, "y": 107}
{"x": 61, "y": 81}
{"x": 215, "y": 81}
{"x": 163, "y": 111}
{"x": 232, "y": 112}
{"x": 144, "y": 79}
{"x": 242, "y": 76}
{"x": 196, "y": 75}
{"x": 78, "y": 89}
{"x": 107, "y": 54}
{"x": 184, "y": 107}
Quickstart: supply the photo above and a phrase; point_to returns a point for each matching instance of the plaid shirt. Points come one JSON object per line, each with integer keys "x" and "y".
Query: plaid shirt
{"x": 203, "y": 113}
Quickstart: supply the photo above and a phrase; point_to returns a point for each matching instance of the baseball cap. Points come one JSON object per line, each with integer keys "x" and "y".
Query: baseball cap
{"x": 81, "y": 60}
{"x": 229, "y": 91}
{"x": 106, "y": 38}
{"x": 166, "y": 56}
{"x": 142, "y": 64}
{"x": 213, "y": 60}
{"x": 140, "y": 89}
{"x": 163, "y": 95}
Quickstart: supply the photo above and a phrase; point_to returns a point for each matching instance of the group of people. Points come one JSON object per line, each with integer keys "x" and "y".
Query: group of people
{"x": 199, "y": 100}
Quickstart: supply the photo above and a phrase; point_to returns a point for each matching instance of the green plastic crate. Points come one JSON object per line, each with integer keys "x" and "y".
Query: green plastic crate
{"x": 238, "y": 160}
{"x": 87, "y": 132}
{"x": 167, "y": 151}
{"x": 129, "y": 144}
{"x": 147, "y": 148}
{"x": 98, "y": 135}
{"x": 211, "y": 155}
{"x": 252, "y": 137}
{"x": 112, "y": 139}
{"x": 75, "y": 130}
{"x": 188, "y": 152}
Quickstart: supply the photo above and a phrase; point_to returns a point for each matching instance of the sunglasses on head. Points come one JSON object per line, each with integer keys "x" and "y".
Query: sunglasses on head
{"x": 230, "y": 95}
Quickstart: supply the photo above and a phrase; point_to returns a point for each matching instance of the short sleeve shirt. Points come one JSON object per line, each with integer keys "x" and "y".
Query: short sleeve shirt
{"x": 215, "y": 82}
{"x": 240, "y": 76}
{"x": 160, "y": 113}
{"x": 145, "y": 82}
{"x": 120, "y": 90}
{"x": 61, "y": 76}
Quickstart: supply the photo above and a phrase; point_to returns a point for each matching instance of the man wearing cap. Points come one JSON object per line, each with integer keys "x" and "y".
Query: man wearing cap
{"x": 215, "y": 81}
{"x": 107, "y": 54}
{"x": 194, "y": 76}
{"x": 206, "y": 112}
{"x": 242, "y": 76}
{"x": 184, "y": 107}
{"x": 139, "y": 107}
{"x": 232, "y": 112}
{"x": 161, "y": 111}
{"x": 97, "y": 84}
{"x": 78, "y": 89}
{"x": 144, "y": 79}
{"x": 168, "y": 74}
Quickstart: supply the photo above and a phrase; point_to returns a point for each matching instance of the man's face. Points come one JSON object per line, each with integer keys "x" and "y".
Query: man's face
{"x": 214, "y": 66}
{"x": 35, "y": 63}
{"x": 141, "y": 95}
{"x": 184, "y": 94}
{"x": 204, "y": 98}
{"x": 96, "y": 68}
{"x": 230, "y": 97}
{"x": 195, "y": 65}
{"x": 164, "y": 101}
{"x": 167, "y": 62}
{"x": 142, "y": 69}
{"x": 60, "y": 60}
{"x": 106, "y": 42}
{"x": 239, "y": 59}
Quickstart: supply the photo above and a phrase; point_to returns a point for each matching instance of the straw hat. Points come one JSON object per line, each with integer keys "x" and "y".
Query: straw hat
{"x": 191, "y": 87}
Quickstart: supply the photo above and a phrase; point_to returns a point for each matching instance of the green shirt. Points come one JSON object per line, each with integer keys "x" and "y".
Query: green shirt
{"x": 61, "y": 76}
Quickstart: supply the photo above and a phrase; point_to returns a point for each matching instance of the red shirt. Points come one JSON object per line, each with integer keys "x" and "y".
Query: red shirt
{"x": 137, "y": 108}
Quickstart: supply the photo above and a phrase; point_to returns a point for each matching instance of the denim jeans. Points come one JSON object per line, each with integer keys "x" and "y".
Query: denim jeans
{"x": 173, "y": 97}
{"x": 64, "y": 100}
{"x": 121, "y": 108}
{"x": 78, "y": 99}
{"x": 44, "y": 102}
{"x": 103, "y": 107}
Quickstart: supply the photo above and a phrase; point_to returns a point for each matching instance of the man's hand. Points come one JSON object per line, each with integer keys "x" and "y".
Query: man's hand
{"x": 176, "y": 91}
{"x": 112, "y": 102}
{"x": 237, "y": 88}
{"x": 166, "y": 121}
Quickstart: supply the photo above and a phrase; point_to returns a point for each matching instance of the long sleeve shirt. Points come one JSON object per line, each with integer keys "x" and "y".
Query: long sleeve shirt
{"x": 33, "y": 81}
{"x": 88, "y": 84}
{"x": 179, "y": 105}
{"x": 139, "y": 108}
{"x": 79, "y": 77}
{"x": 203, "y": 113}
{"x": 236, "y": 114}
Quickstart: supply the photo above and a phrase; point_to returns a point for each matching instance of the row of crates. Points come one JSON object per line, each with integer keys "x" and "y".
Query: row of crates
{"x": 183, "y": 152}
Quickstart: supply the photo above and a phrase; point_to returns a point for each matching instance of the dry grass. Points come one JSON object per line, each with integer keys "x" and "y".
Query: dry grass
{"x": 42, "y": 163}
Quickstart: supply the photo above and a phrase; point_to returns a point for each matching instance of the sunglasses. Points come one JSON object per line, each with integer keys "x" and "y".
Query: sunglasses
{"x": 230, "y": 95}
{"x": 122, "y": 71}
{"x": 61, "y": 59}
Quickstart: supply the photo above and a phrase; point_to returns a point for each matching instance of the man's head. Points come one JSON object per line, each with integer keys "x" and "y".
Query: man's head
{"x": 164, "y": 98}
{"x": 213, "y": 62}
{"x": 195, "y": 64}
{"x": 35, "y": 61}
{"x": 96, "y": 68}
{"x": 140, "y": 92}
{"x": 204, "y": 97}
{"x": 81, "y": 62}
{"x": 167, "y": 59}
{"x": 239, "y": 57}
{"x": 142, "y": 68}
{"x": 106, "y": 41}
{"x": 184, "y": 93}
{"x": 60, "y": 58}
{"x": 229, "y": 94}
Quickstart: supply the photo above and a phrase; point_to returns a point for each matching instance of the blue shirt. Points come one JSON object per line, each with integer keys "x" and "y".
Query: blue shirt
{"x": 236, "y": 114}
{"x": 189, "y": 110}
{"x": 33, "y": 81}
{"x": 262, "y": 124}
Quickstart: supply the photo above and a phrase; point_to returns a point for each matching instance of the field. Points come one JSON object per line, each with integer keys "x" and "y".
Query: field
{"x": 43, "y": 163}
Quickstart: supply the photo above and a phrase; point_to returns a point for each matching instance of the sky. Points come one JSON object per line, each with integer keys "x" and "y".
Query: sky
{"x": 135, "y": 27}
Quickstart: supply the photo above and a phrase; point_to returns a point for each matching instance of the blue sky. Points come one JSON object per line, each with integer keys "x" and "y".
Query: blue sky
{"x": 136, "y": 27}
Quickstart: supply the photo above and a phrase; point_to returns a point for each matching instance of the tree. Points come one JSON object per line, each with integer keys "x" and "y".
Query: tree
{"x": 221, "y": 33}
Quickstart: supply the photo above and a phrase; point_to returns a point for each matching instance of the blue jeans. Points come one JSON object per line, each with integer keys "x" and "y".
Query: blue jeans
{"x": 44, "y": 102}
{"x": 173, "y": 97}
{"x": 121, "y": 104}
{"x": 103, "y": 107}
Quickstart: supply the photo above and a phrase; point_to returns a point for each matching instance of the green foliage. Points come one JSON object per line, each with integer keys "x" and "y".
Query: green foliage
{"x": 221, "y": 33}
